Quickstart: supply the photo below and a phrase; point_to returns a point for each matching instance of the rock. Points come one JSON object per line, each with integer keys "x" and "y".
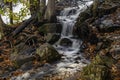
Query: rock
{"x": 19, "y": 59}
{"x": 52, "y": 37}
{"x": 107, "y": 25}
{"x": 106, "y": 60}
{"x": 106, "y": 9}
{"x": 27, "y": 66}
{"x": 23, "y": 49}
{"x": 101, "y": 8}
{"x": 48, "y": 53}
{"x": 99, "y": 68}
{"x": 24, "y": 76}
{"x": 51, "y": 32}
{"x": 115, "y": 53}
{"x": 82, "y": 31}
{"x": 71, "y": 12}
{"x": 96, "y": 72}
{"x": 84, "y": 16}
{"x": 66, "y": 42}
{"x": 107, "y": 22}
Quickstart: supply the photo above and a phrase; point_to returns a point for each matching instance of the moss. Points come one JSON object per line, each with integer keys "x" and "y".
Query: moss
{"x": 99, "y": 69}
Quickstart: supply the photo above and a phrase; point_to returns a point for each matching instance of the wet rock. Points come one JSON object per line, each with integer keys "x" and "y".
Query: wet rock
{"x": 73, "y": 11}
{"x": 84, "y": 16}
{"x": 82, "y": 31}
{"x": 51, "y": 32}
{"x": 48, "y": 53}
{"x": 66, "y": 42}
{"x": 52, "y": 38}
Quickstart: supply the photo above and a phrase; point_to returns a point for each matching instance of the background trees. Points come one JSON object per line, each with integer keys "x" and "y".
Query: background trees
{"x": 39, "y": 11}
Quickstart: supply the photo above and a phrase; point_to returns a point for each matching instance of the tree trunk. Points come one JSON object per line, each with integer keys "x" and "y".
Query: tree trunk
{"x": 50, "y": 11}
{"x": 11, "y": 12}
{"x": 42, "y": 8}
{"x": 1, "y": 27}
{"x": 34, "y": 7}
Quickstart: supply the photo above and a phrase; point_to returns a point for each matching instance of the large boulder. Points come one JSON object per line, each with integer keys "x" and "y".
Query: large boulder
{"x": 99, "y": 69}
{"x": 101, "y": 7}
{"x": 108, "y": 26}
{"x": 48, "y": 53}
{"x": 19, "y": 60}
{"x": 82, "y": 31}
{"x": 51, "y": 31}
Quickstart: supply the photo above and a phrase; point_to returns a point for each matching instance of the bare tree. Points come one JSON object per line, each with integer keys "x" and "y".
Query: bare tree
{"x": 2, "y": 24}
{"x": 42, "y": 7}
{"x": 11, "y": 12}
{"x": 50, "y": 11}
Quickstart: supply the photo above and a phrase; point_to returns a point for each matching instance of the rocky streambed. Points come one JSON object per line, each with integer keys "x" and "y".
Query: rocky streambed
{"x": 102, "y": 41}
{"x": 97, "y": 31}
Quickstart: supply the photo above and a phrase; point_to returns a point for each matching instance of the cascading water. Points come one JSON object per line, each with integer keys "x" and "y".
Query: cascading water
{"x": 71, "y": 61}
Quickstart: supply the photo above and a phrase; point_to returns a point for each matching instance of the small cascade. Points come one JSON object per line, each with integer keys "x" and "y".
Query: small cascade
{"x": 71, "y": 60}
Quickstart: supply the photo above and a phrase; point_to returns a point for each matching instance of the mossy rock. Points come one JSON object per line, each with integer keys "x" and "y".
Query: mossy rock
{"x": 96, "y": 72}
{"x": 48, "y": 53}
{"x": 50, "y": 28}
{"x": 51, "y": 32}
{"x": 99, "y": 69}
{"x": 108, "y": 61}
{"x": 18, "y": 60}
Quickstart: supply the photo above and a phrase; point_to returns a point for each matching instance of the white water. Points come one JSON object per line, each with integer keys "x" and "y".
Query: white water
{"x": 68, "y": 18}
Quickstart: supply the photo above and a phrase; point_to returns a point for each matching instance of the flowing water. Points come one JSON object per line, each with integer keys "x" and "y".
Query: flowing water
{"x": 72, "y": 60}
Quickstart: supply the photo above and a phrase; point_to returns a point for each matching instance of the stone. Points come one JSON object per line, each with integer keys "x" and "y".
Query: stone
{"x": 48, "y": 53}
{"x": 96, "y": 72}
{"x": 82, "y": 31}
{"x": 73, "y": 11}
{"x": 101, "y": 8}
{"x": 51, "y": 38}
{"x": 19, "y": 59}
{"x": 27, "y": 66}
{"x": 51, "y": 32}
{"x": 99, "y": 69}
{"x": 66, "y": 42}
{"x": 106, "y": 9}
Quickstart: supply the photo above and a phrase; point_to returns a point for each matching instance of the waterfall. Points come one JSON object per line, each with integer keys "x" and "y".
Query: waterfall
{"x": 68, "y": 18}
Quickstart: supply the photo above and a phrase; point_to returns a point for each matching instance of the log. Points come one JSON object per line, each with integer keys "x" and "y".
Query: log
{"x": 22, "y": 26}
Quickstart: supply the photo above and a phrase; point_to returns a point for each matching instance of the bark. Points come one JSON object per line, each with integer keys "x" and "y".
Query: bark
{"x": 2, "y": 25}
{"x": 42, "y": 8}
{"x": 34, "y": 7}
{"x": 11, "y": 13}
{"x": 50, "y": 11}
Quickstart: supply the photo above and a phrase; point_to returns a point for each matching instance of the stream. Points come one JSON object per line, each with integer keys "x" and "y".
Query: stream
{"x": 72, "y": 60}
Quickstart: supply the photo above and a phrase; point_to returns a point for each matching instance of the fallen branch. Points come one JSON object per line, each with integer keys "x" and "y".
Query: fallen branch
{"x": 22, "y": 26}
